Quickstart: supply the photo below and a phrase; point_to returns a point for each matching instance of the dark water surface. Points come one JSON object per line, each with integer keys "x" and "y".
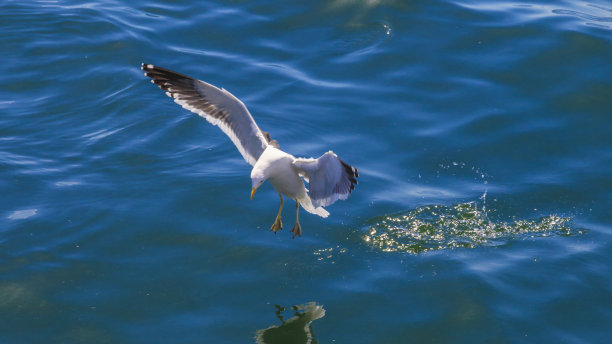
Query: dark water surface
{"x": 482, "y": 132}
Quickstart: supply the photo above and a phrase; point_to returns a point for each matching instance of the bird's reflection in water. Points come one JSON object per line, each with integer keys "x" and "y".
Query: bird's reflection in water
{"x": 296, "y": 330}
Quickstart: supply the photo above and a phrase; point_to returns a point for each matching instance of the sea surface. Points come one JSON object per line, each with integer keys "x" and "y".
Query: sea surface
{"x": 482, "y": 132}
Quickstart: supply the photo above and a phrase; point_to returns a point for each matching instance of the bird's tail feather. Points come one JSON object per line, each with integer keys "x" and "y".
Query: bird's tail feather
{"x": 306, "y": 203}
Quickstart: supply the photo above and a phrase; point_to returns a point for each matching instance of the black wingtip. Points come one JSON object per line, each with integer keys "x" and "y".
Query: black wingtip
{"x": 352, "y": 173}
{"x": 147, "y": 68}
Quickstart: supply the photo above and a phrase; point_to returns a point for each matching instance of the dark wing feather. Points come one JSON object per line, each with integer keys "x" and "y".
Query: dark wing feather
{"x": 216, "y": 105}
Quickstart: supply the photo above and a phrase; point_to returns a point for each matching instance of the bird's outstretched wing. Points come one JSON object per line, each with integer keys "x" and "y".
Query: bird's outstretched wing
{"x": 329, "y": 178}
{"x": 218, "y": 106}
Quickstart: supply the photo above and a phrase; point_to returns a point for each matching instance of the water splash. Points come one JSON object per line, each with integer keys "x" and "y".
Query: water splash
{"x": 329, "y": 254}
{"x": 465, "y": 225}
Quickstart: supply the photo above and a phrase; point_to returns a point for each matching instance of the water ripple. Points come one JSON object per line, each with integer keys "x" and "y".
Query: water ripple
{"x": 528, "y": 12}
{"x": 590, "y": 18}
{"x": 22, "y": 214}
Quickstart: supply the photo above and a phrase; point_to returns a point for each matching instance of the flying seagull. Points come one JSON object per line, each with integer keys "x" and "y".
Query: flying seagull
{"x": 329, "y": 178}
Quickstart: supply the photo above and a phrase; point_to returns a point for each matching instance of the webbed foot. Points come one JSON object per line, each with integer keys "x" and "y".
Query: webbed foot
{"x": 277, "y": 225}
{"x": 297, "y": 230}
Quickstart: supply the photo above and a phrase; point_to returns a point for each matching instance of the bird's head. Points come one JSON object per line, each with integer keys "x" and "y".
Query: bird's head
{"x": 263, "y": 168}
{"x": 257, "y": 179}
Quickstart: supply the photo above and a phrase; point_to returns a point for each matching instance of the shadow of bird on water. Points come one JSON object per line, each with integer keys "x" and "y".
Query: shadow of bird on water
{"x": 296, "y": 330}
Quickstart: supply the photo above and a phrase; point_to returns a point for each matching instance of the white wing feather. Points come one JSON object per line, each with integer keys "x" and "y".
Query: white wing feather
{"x": 329, "y": 178}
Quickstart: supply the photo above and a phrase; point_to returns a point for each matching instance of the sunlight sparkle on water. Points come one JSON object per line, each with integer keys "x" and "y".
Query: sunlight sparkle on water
{"x": 465, "y": 225}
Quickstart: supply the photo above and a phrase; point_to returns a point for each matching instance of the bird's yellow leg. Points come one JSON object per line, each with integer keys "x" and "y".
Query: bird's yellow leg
{"x": 278, "y": 224}
{"x": 297, "y": 229}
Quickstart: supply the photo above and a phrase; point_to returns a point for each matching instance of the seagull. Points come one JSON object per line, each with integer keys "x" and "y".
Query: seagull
{"x": 329, "y": 178}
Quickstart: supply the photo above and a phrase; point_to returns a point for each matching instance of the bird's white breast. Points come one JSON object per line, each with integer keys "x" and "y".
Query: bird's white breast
{"x": 282, "y": 175}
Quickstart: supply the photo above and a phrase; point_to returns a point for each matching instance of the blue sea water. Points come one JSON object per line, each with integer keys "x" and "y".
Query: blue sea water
{"x": 481, "y": 130}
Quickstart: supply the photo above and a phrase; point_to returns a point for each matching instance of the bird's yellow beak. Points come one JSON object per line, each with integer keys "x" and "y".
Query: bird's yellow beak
{"x": 253, "y": 192}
